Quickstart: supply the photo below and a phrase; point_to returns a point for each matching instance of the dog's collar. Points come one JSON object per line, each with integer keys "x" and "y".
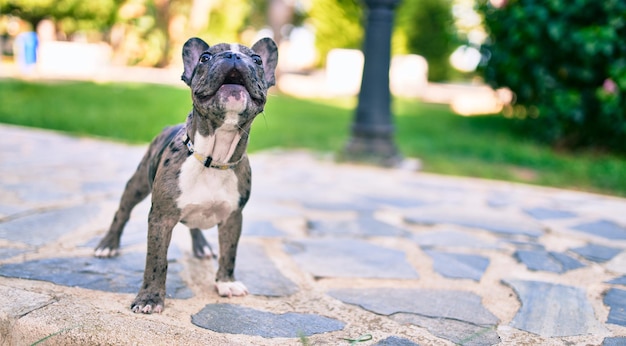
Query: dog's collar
{"x": 207, "y": 161}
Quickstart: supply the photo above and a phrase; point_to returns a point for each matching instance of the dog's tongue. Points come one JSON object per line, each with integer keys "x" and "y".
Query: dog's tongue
{"x": 233, "y": 97}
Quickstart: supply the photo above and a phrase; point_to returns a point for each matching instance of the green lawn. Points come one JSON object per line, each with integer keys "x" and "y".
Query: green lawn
{"x": 486, "y": 146}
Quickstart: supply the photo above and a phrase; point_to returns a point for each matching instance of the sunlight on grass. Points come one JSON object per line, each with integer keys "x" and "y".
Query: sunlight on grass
{"x": 480, "y": 146}
{"x": 128, "y": 112}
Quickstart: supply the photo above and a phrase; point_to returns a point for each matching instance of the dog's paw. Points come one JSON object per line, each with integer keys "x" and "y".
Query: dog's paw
{"x": 231, "y": 288}
{"x": 204, "y": 252}
{"x": 147, "y": 304}
{"x": 201, "y": 248}
{"x": 108, "y": 247}
{"x": 105, "y": 252}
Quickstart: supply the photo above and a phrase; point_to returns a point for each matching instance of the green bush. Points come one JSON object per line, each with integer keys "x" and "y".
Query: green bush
{"x": 427, "y": 29}
{"x": 338, "y": 24}
{"x": 566, "y": 62}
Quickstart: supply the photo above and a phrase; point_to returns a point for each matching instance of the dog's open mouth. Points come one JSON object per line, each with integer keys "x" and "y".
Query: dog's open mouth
{"x": 234, "y": 77}
{"x": 231, "y": 80}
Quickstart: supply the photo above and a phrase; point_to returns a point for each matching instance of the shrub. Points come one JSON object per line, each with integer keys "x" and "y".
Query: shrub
{"x": 427, "y": 29}
{"x": 338, "y": 24}
{"x": 566, "y": 62}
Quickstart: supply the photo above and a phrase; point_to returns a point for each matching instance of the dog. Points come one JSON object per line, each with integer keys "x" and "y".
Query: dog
{"x": 198, "y": 172}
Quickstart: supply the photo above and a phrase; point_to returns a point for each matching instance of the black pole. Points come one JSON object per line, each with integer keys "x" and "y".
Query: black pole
{"x": 372, "y": 130}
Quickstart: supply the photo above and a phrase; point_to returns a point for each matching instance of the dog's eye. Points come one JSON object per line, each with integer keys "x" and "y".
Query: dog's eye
{"x": 205, "y": 57}
{"x": 257, "y": 59}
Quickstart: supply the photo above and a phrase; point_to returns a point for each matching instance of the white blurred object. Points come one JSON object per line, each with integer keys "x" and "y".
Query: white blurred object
{"x": 265, "y": 32}
{"x": 498, "y": 3}
{"x": 298, "y": 53}
{"x": 465, "y": 58}
{"x": 408, "y": 75}
{"x": 56, "y": 58}
{"x": 481, "y": 100}
{"x": 344, "y": 70}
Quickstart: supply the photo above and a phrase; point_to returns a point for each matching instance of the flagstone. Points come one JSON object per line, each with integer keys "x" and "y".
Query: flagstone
{"x": 237, "y": 319}
{"x": 351, "y": 258}
{"x": 553, "y": 310}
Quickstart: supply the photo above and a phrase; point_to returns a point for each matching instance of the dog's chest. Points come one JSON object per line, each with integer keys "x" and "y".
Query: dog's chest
{"x": 208, "y": 196}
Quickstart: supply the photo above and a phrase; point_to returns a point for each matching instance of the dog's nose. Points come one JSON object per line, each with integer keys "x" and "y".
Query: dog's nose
{"x": 232, "y": 56}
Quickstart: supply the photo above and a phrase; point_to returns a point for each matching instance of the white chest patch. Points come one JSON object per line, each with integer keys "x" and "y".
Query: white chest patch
{"x": 208, "y": 196}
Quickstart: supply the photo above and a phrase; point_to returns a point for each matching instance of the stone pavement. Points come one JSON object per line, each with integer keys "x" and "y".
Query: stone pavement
{"x": 333, "y": 254}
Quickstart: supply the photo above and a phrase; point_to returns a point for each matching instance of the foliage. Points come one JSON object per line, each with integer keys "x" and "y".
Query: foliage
{"x": 337, "y": 23}
{"x": 72, "y": 14}
{"x": 143, "y": 32}
{"x": 486, "y": 147}
{"x": 227, "y": 20}
{"x": 426, "y": 28}
{"x": 566, "y": 62}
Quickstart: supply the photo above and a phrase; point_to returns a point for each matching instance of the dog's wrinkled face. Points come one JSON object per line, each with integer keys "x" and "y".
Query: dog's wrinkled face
{"x": 227, "y": 79}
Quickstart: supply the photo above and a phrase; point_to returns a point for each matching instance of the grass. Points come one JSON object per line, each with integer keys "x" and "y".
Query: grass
{"x": 485, "y": 146}
{"x": 128, "y": 112}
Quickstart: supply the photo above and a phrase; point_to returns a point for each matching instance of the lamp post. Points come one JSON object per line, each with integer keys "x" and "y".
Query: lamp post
{"x": 372, "y": 130}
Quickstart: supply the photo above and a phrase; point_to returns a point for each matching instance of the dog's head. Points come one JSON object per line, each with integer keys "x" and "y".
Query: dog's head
{"x": 229, "y": 82}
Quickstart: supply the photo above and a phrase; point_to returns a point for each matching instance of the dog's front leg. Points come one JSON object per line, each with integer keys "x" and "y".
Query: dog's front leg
{"x": 228, "y": 234}
{"x": 137, "y": 188}
{"x": 151, "y": 296}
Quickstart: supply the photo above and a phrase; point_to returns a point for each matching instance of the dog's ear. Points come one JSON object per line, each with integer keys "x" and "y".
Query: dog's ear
{"x": 268, "y": 51}
{"x": 192, "y": 50}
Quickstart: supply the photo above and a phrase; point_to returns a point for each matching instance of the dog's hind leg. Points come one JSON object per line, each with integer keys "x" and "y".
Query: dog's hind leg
{"x": 137, "y": 189}
{"x": 201, "y": 247}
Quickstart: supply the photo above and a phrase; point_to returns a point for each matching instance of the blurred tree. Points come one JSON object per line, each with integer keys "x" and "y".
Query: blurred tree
{"x": 225, "y": 20}
{"x": 152, "y": 32}
{"x": 162, "y": 15}
{"x": 337, "y": 23}
{"x": 138, "y": 38}
{"x": 144, "y": 32}
{"x": 279, "y": 14}
{"x": 568, "y": 69}
{"x": 426, "y": 27}
{"x": 73, "y": 15}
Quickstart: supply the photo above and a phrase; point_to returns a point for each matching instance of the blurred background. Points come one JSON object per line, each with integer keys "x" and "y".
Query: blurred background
{"x": 542, "y": 81}
{"x": 433, "y": 41}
